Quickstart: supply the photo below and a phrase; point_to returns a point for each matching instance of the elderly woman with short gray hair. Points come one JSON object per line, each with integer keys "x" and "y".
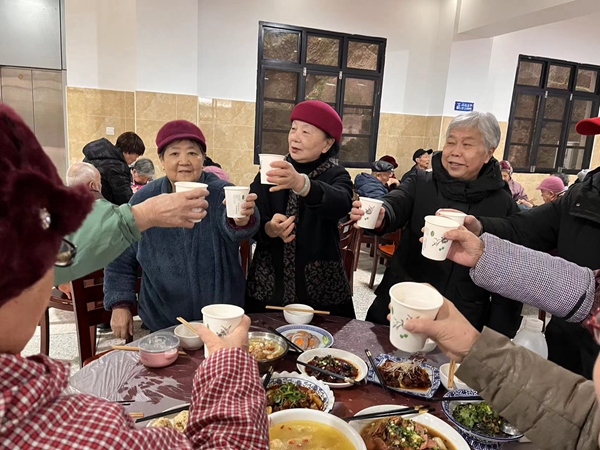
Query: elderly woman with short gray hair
{"x": 142, "y": 173}
{"x": 465, "y": 177}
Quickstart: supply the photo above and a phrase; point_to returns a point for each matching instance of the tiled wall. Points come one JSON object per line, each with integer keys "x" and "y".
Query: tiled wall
{"x": 229, "y": 129}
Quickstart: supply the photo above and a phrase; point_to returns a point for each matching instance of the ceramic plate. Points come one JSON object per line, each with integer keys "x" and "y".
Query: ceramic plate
{"x": 357, "y": 362}
{"x": 427, "y": 420}
{"x": 303, "y": 380}
{"x": 323, "y": 338}
{"x": 477, "y": 440}
{"x": 167, "y": 415}
{"x": 433, "y": 372}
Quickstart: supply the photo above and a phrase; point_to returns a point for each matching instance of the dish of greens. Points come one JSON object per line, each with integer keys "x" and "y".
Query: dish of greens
{"x": 479, "y": 417}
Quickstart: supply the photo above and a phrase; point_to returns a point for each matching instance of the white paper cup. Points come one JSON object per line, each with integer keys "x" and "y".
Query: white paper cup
{"x": 457, "y": 216}
{"x": 371, "y": 207}
{"x": 435, "y": 245}
{"x": 411, "y": 301}
{"x": 265, "y": 165}
{"x": 184, "y": 186}
{"x": 221, "y": 319}
{"x": 235, "y": 196}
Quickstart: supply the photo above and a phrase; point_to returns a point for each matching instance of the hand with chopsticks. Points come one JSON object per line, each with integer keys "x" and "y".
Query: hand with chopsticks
{"x": 450, "y": 330}
{"x": 238, "y": 338}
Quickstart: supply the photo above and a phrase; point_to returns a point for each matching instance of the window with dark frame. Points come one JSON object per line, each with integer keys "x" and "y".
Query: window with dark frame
{"x": 549, "y": 98}
{"x": 343, "y": 70}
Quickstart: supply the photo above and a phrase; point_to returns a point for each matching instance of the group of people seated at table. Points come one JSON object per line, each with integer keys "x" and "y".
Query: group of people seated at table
{"x": 188, "y": 251}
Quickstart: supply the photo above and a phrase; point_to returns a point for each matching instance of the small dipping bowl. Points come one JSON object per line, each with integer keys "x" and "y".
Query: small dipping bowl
{"x": 159, "y": 349}
{"x": 298, "y": 317}
{"x": 458, "y": 383}
{"x": 264, "y": 364}
{"x": 189, "y": 340}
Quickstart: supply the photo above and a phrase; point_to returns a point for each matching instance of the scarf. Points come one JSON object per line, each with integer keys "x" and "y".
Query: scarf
{"x": 313, "y": 170}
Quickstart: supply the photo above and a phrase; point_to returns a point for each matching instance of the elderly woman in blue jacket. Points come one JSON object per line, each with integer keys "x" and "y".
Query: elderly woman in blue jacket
{"x": 183, "y": 269}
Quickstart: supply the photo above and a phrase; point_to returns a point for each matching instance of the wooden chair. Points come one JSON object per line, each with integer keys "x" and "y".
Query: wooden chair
{"x": 384, "y": 250}
{"x": 58, "y": 300}
{"x": 349, "y": 242}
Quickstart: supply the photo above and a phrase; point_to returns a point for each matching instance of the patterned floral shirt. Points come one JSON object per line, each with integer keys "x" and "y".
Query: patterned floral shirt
{"x": 228, "y": 409}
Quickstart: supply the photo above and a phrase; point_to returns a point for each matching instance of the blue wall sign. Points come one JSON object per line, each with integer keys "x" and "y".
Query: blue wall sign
{"x": 463, "y": 106}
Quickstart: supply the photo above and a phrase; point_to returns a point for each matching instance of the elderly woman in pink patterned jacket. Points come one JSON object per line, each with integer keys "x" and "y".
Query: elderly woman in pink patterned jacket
{"x": 36, "y": 211}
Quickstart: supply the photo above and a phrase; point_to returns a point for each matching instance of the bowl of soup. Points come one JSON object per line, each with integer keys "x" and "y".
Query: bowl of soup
{"x": 310, "y": 430}
{"x": 266, "y": 348}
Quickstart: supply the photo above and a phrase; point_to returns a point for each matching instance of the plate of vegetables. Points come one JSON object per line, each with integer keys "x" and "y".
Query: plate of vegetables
{"x": 335, "y": 360}
{"x": 476, "y": 421}
{"x": 290, "y": 390}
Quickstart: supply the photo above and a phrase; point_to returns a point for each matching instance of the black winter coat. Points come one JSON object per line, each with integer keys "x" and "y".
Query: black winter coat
{"x": 571, "y": 226}
{"x": 115, "y": 173}
{"x": 320, "y": 277}
{"x": 422, "y": 195}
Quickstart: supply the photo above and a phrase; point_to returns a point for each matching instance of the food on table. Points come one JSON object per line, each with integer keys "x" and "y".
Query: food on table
{"x": 304, "y": 339}
{"x": 404, "y": 375}
{"x": 479, "y": 417}
{"x": 396, "y": 433}
{"x": 180, "y": 421}
{"x": 290, "y": 395}
{"x": 263, "y": 349}
{"x": 307, "y": 435}
{"x": 162, "y": 422}
{"x": 335, "y": 365}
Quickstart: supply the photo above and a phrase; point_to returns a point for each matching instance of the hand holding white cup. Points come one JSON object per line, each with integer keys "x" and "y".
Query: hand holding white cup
{"x": 371, "y": 208}
{"x": 265, "y": 160}
{"x": 184, "y": 186}
{"x": 235, "y": 197}
{"x": 454, "y": 214}
{"x": 221, "y": 319}
{"x": 435, "y": 244}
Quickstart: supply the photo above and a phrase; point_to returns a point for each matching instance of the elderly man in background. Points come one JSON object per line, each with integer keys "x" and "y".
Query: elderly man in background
{"x": 87, "y": 174}
{"x": 375, "y": 184}
{"x": 422, "y": 159}
{"x": 465, "y": 177}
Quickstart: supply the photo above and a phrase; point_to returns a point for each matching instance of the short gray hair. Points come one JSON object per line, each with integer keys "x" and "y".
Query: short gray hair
{"x": 486, "y": 123}
{"x": 81, "y": 173}
{"x": 144, "y": 167}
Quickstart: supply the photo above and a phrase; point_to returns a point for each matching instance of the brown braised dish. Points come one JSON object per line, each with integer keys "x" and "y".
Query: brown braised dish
{"x": 290, "y": 395}
{"x": 335, "y": 365}
{"x": 404, "y": 375}
{"x": 396, "y": 433}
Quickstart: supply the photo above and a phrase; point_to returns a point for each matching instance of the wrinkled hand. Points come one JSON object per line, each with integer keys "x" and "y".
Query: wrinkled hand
{"x": 356, "y": 214}
{"x": 172, "y": 210}
{"x": 121, "y": 323}
{"x": 526, "y": 203}
{"x": 466, "y": 248}
{"x": 65, "y": 288}
{"x": 246, "y": 210}
{"x": 281, "y": 226}
{"x": 451, "y": 331}
{"x": 284, "y": 176}
{"x": 473, "y": 225}
{"x": 393, "y": 182}
{"x": 238, "y": 338}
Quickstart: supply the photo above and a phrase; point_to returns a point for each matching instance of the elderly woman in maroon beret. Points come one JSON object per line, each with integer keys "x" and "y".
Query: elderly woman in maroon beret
{"x": 297, "y": 258}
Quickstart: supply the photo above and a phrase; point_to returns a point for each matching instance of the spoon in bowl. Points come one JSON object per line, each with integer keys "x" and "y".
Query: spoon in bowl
{"x": 509, "y": 429}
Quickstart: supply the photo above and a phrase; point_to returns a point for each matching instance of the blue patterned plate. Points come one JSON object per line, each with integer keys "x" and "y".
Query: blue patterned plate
{"x": 433, "y": 372}
{"x": 476, "y": 440}
{"x": 324, "y": 339}
{"x": 300, "y": 379}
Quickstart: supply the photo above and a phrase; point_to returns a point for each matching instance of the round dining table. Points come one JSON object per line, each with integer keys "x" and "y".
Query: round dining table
{"x": 120, "y": 376}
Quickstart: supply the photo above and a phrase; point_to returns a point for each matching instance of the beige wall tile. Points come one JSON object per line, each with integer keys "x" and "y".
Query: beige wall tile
{"x": 239, "y": 165}
{"x": 233, "y": 137}
{"x": 205, "y": 110}
{"x": 155, "y": 106}
{"x": 186, "y": 107}
{"x": 434, "y": 125}
{"x": 385, "y": 122}
{"x": 130, "y": 105}
{"x": 234, "y": 112}
{"x": 147, "y": 130}
{"x": 414, "y": 126}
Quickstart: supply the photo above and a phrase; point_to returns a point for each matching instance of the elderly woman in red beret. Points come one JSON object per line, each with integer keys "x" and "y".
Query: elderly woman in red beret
{"x": 36, "y": 212}
{"x": 297, "y": 258}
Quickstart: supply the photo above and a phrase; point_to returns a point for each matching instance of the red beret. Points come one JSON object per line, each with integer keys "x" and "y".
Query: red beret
{"x": 30, "y": 189}
{"x": 588, "y": 126}
{"x": 177, "y": 130}
{"x": 321, "y": 115}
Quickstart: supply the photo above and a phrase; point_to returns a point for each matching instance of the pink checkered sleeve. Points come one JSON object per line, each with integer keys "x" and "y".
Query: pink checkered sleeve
{"x": 549, "y": 283}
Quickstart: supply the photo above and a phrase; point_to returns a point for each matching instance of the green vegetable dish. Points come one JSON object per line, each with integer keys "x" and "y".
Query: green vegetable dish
{"x": 479, "y": 417}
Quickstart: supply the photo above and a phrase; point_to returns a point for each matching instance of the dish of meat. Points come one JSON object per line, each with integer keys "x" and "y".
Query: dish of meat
{"x": 344, "y": 362}
{"x": 429, "y": 432}
{"x": 294, "y": 390}
{"x": 307, "y": 337}
{"x": 406, "y": 375}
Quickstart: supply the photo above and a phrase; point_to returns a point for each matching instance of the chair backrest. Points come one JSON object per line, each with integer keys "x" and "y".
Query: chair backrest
{"x": 349, "y": 246}
{"x": 246, "y": 255}
{"x": 347, "y": 233}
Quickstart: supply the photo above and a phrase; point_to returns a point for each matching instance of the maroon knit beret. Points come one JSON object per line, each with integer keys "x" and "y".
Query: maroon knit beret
{"x": 31, "y": 189}
{"x": 177, "y": 130}
{"x": 588, "y": 127}
{"x": 321, "y": 115}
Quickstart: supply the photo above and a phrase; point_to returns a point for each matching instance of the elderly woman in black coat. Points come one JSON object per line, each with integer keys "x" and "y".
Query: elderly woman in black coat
{"x": 465, "y": 177}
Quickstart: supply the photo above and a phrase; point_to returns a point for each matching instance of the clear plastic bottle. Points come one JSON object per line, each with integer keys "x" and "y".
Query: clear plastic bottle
{"x": 531, "y": 337}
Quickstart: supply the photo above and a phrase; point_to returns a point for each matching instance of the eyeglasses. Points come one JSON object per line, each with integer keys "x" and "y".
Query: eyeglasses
{"x": 66, "y": 254}
{"x": 594, "y": 326}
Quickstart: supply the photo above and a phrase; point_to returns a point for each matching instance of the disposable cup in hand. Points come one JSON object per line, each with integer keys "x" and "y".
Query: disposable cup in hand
{"x": 411, "y": 301}
{"x": 435, "y": 245}
{"x": 235, "y": 196}
{"x": 457, "y": 216}
{"x": 371, "y": 207}
{"x": 221, "y": 319}
{"x": 184, "y": 186}
{"x": 265, "y": 165}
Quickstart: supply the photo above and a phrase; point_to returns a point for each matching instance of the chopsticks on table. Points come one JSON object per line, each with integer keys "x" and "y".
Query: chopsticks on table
{"x": 189, "y": 326}
{"x": 164, "y": 413}
{"x": 290, "y": 343}
{"x": 377, "y": 373}
{"x": 268, "y": 377}
{"x": 136, "y": 415}
{"x": 292, "y": 309}
{"x": 451, "y": 371}
{"x": 391, "y": 413}
{"x": 127, "y": 348}
{"x": 331, "y": 374}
